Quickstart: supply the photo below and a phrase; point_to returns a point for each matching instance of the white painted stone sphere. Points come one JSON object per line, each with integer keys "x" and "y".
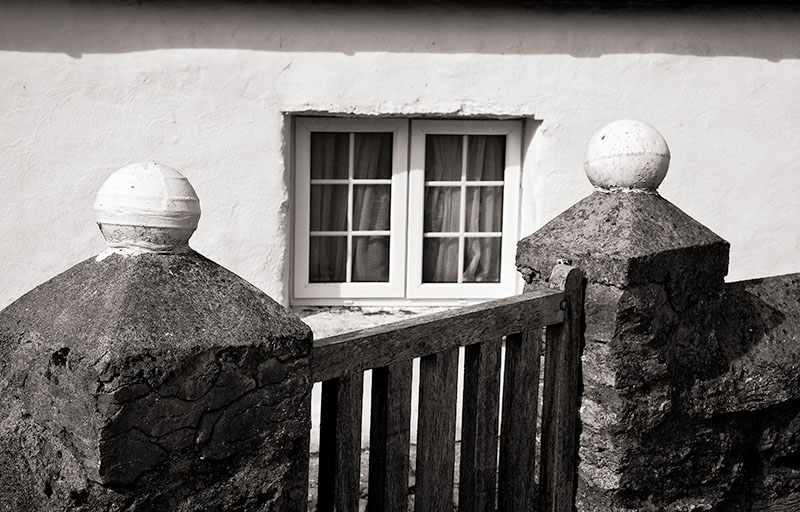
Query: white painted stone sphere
{"x": 627, "y": 155}
{"x": 147, "y": 207}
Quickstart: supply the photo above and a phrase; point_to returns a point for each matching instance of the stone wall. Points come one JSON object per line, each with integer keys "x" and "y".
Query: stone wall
{"x": 694, "y": 408}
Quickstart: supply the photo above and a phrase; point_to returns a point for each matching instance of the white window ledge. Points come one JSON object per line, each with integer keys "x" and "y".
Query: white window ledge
{"x": 333, "y": 320}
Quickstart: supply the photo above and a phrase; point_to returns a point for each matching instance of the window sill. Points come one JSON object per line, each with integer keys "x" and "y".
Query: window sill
{"x": 328, "y": 321}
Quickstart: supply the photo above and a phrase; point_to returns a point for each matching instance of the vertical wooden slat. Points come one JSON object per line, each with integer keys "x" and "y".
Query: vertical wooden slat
{"x": 326, "y": 483}
{"x": 479, "y": 425}
{"x": 390, "y": 437}
{"x": 516, "y": 478}
{"x": 436, "y": 432}
{"x": 571, "y": 383}
{"x": 562, "y": 396}
{"x": 547, "y": 463}
{"x": 348, "y": 449}
{"x": 340, "y": 444}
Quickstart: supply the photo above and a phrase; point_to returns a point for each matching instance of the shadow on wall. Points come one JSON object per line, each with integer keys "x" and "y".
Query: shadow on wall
{"x": 122, "y": 26}
{"x": 737, "y": 422}
{"x": 756, "y": 332}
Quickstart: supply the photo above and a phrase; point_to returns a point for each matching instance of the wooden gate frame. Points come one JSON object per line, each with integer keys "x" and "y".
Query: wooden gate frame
{"x": 486, "y": 482}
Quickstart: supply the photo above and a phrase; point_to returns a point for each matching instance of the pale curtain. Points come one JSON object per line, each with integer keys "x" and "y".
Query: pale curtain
{"x": 483, "y": 208}
{"x": 484, "y": 211}
{"x": 443, "y": 155}
{"x": 328, "y": 254}
{"x": 372, "y": 206}
{"x": 329, "y": 203}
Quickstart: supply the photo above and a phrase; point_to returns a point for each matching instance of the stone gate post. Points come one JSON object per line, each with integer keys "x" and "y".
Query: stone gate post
{"x": 654, "y": 275}
{"x": 149, "y": 378}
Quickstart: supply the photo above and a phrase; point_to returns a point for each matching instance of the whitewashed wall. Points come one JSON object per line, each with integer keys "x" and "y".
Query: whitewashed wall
{"x": 86, "y": 89}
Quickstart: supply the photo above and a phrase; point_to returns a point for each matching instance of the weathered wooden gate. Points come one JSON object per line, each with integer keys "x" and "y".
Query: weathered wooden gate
{"x": 488, "y": 480}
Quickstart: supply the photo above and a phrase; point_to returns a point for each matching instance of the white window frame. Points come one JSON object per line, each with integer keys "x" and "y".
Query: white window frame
{"x": 332, "y": 293}
{"x": 506, "y": 286}
{"x": 405, "y": 286}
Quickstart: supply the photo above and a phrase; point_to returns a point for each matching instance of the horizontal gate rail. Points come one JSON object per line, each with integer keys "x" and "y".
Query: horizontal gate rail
{"x": 437, "y": 332}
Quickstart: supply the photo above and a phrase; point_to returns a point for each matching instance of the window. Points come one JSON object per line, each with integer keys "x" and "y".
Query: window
{"x": 393, "y": 209}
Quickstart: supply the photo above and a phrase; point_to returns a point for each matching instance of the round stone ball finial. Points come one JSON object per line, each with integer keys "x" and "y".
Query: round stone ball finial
{"x": 627, "y": 155}
{"x": 147, "y": 207}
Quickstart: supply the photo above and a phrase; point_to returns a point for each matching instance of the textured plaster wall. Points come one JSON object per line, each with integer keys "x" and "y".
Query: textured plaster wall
{"x": 88, "y": 88}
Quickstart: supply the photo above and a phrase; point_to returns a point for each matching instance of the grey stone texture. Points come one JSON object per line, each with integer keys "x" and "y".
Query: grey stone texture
{"x": 155, "y": 382}
{"x": 691, "y": 395}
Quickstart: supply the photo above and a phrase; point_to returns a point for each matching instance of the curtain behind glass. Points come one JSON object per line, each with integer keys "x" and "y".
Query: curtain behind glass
{"x": 372, "y": 206}
{"x": 372, "y": 153}
{"x": 483, "y": 208}
{"x": 328, "y": 207}
{"x": 443, "y": 154}
{"x": 484, "y": 212}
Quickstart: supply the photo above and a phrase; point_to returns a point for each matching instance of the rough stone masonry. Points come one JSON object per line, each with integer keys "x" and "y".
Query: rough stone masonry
{"x": 150, "y": 378}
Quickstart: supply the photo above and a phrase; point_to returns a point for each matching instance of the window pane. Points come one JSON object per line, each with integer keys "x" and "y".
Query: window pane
{"x": 486, "y": 157}
{"x": 371, "y": 207}
{"x": 440, "y": 260}
{"x": 481, "y": 260}
{"x": 327, "y": 259}
{"x": 328, "y": 207}
{"x": 370, "y": 258}
{"x": 373, "y": 156}
{"x": 484, "y": 209}
{"x": 443, "y": 157}
{"x": 329, "y": 155}
{"x": 441, "y": 209}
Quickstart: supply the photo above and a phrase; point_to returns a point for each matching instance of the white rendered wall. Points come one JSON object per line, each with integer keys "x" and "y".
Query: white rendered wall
{"x": 87, "y": 89}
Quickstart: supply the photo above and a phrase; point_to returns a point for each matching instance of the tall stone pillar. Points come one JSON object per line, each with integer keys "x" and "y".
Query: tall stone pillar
{"x": 654, "y": 274}
{"x": 149, "y": 378}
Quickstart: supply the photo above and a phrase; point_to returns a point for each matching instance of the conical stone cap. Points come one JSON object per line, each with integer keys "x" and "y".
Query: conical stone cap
{"x": 622, "y": 239}
{"x": 625, "y": 233}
